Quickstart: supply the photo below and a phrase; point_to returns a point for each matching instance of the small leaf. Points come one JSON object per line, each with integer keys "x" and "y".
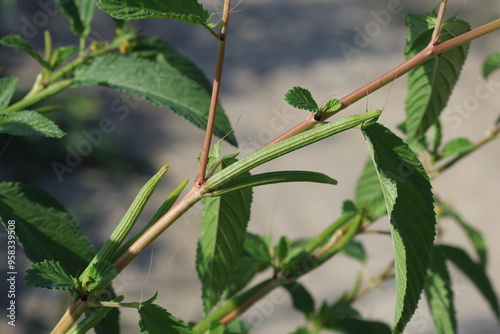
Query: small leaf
{"x": 257, "y": 248}
{"x": 161, "y": 84}
{"x": 282, "y": 248}
{"x": 409, "y": 201}
{"x": 369, "y": 196}
{"x": 29, "y": 123}
{"x": 491, "y": 64}
{"x": 301, "y": 298}
{"x": 79, "y": 13}
{"x": 224, "y": 222}
{"x": 16, "y": 41}
{"x": 189, "y": 11}
{"x": 98, "y": 272}
{"x": 440, "y": 295}
{"x": 331, "y": 106}
{"x": 301, "y": 98}
{"x": 273, "y": 178}
{"x": 44, "y": 229}
{"x": 156, "y": 320}
{"x": 7, "y": 88}
{"x": 62, "y": 54}
{"x": 49, "y": 275}
{"x": 475, "y": 272}
{"x": 431, "y": 84}
{"x": 355, "y": 250}
{"x": 457, "y": 146}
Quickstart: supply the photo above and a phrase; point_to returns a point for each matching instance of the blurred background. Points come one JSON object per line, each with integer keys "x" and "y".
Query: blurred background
{"x": 272, "y": 46}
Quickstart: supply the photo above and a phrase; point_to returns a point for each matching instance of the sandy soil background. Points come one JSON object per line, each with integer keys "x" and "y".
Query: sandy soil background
{"x": 273, "y": 46}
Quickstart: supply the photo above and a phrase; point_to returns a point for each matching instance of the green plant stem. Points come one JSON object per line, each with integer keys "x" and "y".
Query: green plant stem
{"x": 432, "y": 50}
{"x": 200, "y": 178}
{"x": 439, "y": 22}
{"x": 328, "y": 232}
{"x": 75, "y": 310}
{"x": 237, "y": 305}
{"x": 489, "y": 136}
{"x": 39, "y": 96}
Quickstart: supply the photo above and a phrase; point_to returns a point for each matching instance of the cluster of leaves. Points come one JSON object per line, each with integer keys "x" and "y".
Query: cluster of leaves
{"x": 393, "y": 183}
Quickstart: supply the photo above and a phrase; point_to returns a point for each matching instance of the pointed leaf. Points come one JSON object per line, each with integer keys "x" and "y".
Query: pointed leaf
{"x": 49, "y": 275}
{"x": 272, "y": 178}
{"x": 29, "y": 123}
{"x": 156, "y": 320}
{"x": 355, "y": 250}
{"x": 431, "y": 84}
{"x": 44, "y": 229}
{"x": 440, "y": 295}
{"x": 16, "y": 41}
{"x": 491, "y": 64}
{"x": 282, "y": 248}
{"x": 189, "y": 11}
{"x": 409, "y": 201}
{"x": 79, "y": 13}
{"x": 257, "y": 247}
{"x": 7, "y": 89}
{"x": 301, "y": 298}
{"x": 475, "y": 237}
{"x": 457, "y": 146}
{"x": 160, "y": 84}
{"x": 301, "y": 98}
{"x": 475, "y": 272}
{"x": 224, "y": 222}
{"x": 369, "y": 197}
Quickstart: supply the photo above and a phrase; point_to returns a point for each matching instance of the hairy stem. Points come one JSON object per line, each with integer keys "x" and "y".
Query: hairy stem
{"x": 417, "y": 60}
{"x": 200, "y": 178}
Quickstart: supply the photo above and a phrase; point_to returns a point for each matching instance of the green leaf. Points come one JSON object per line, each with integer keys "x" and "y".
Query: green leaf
{"x": 272, "y": 178}
{"x": 288, "y": 145}
{"x": 491, "y": 64}
{"x": 357, "y": 326}
{"x": 254, "y": 259}
{"x": 79, "y": 13}
{"x": 156, "y": 320}
{"x": 156, "y": 50}
{"x": 409, "y": 201}
{"x": 62, "y": 54}
{"x": 431, "y": 84}
{"x": 189, "y": 11}
{"x": 16, "y": 41}
{"x": 98, "y": 272}
{"x": 49, "y": 275}
{"x": 355, "y": 250}
{"x": 29, "y": 123}
{"x": 369, "y": 195}
{"x": 238, "y": 327}
{"x": 224, "y": 221}
{"x": 43, "y": 228}
{"x": 457, "y": 146}
{"x": 475, "y": 237}
{"x": 301, "y": 298}
{"x": 475, "y": 272}
{"x": 440, "y": 295}
{"x": 331, "y": 106}
{"x": 7, "y": 88}
{"x": 160, "y": 84}
{"x": 282, "y": 248}
{"x": 301, "y": 98}
{"x": 304, "y": 330}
